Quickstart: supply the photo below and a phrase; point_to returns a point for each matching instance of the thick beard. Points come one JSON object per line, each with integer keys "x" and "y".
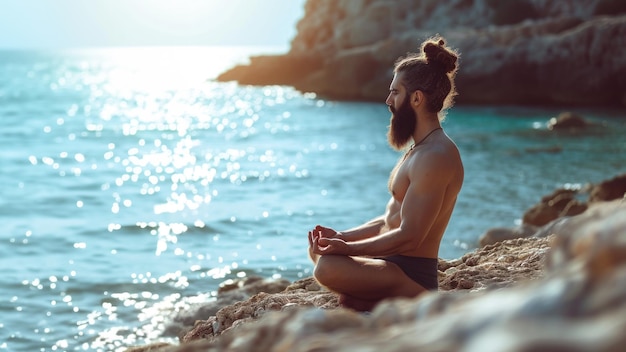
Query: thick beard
{"x": 403, "y": 122}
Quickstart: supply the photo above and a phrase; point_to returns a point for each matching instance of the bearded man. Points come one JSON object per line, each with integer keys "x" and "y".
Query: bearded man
{"x": 396, "y": 254}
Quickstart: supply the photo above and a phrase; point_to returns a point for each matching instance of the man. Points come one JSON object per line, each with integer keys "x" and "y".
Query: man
{"x": 396, "y": 254}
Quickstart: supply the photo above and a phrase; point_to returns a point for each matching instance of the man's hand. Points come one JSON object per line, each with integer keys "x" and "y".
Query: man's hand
{"x": 325, "y": 232}
{"x": 324, "y": 241}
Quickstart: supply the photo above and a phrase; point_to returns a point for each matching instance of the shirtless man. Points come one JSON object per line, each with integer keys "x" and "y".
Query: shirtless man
{"x": 396, "y": 254}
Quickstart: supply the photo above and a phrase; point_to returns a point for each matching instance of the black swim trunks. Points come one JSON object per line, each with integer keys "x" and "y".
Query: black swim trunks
{"x": 419, "y": 269}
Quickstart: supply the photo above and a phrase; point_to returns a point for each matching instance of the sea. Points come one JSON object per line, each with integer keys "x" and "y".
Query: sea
{"x": 133, "y": 184}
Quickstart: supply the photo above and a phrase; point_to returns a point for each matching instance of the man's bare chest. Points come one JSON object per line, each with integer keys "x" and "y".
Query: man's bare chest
{"x": 400, "y": 181}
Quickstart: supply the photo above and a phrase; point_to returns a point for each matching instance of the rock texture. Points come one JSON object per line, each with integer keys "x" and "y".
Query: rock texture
{"x": 230, "y": 292}
{"x": 513, "y": 52}
{"x": 497, "y": 265}
{"x": 303, "y": 294}
{"x": 565, "y": 292}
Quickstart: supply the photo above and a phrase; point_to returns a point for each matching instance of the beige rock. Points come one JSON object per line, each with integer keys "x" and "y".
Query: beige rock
{"x": 497, "y": 265}
{"x": 500, "y": 234}
{"x": 306, "y": 293}
{"x": 229, "y": 293}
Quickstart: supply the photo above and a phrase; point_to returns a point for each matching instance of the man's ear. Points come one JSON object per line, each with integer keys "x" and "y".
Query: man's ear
{"x": 417, "y": 97}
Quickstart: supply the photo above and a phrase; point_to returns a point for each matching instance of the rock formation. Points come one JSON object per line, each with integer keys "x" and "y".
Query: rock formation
{"x": 512, "y": 52}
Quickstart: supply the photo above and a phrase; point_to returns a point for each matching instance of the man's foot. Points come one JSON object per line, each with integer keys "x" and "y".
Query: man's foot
{"x": 360, "y": 305}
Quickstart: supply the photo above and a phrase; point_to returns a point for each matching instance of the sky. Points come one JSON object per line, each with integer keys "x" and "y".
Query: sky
{"x": 38, "y": 24}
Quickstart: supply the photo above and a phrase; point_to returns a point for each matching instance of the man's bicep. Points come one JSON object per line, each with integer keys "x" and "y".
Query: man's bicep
{"x": 420, "y": 208}
{"x": 423, "y": 200}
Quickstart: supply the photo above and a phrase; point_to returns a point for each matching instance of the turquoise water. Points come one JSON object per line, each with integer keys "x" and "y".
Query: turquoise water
{"x": 131, "y": 183}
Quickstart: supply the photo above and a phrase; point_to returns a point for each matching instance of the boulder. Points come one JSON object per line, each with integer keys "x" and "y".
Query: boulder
{"x": 611, "y": 189}
{"x": 561, "y": 202}
{"x": 567, "y": 121}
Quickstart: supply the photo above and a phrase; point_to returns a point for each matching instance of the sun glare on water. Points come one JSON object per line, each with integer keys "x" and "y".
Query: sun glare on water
{"x": 169, "y": 68}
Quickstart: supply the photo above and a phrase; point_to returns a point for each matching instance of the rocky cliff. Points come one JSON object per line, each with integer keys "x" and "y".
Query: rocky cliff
{"x": 569, "y": 52}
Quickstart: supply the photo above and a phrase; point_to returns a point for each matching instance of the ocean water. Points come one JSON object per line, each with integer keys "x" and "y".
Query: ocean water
{"x": 132, "y": 184}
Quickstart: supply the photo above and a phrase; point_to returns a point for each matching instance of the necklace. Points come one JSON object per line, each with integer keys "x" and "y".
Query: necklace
{"x": 423, "y": 139}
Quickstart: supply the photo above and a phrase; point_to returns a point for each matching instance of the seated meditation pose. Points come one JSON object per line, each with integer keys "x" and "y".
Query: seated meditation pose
{"x": 396, "y": 254}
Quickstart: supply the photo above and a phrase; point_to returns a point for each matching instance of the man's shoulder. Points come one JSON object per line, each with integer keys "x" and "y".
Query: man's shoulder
{"x": 443, "y": 152}
{"x": 442, "y": 159}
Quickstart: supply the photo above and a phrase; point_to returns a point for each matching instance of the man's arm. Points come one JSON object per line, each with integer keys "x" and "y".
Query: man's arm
{"x": 367, "y": 230}
{"x": 429, "y": 178}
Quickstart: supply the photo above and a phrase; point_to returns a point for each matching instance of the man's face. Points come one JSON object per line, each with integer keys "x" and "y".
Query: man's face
{"x": 403, "y": 119}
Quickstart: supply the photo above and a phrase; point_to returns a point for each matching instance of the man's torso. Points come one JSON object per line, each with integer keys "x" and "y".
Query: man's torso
{"x": 399, "y": 184}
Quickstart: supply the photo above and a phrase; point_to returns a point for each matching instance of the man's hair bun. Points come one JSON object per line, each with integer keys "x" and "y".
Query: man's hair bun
{"x": 437, "y": 54}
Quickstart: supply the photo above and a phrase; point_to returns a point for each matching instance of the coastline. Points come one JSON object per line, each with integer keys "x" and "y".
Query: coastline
{"x": 567, "y": 274}
{"x": 534, "y": 55}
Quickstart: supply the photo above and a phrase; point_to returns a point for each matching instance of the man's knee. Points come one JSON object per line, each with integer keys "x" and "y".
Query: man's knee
{"x": 327, "y": 270}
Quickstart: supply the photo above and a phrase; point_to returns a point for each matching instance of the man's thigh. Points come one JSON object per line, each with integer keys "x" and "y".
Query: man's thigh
{"x": 366, "y": 278}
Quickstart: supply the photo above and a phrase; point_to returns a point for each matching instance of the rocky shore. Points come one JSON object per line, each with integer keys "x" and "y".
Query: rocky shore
{"x": 543, "y": 52}
{"x": 561, "y": 287}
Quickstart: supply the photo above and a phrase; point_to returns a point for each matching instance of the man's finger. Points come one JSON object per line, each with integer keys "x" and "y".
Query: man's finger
{"x": 315, "y": 246}
{"x": 323, "y": 241}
